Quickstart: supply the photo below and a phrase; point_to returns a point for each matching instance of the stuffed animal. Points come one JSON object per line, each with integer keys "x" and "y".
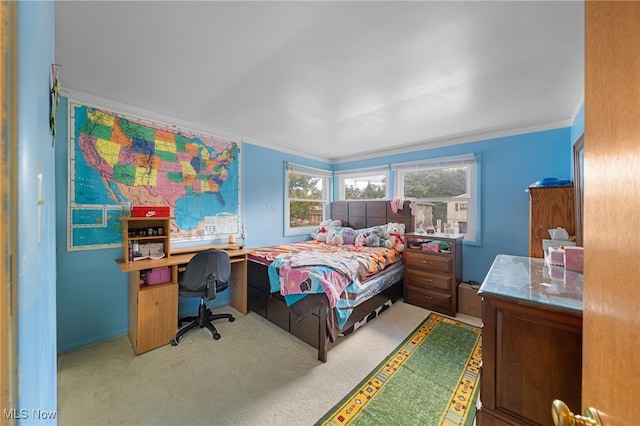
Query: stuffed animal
{"x": 333, "y": 236}
{"x": 321, "y": 233}
{"x": 394, "y": 236}
{"x": 360, "y": 239}
{"x": 375, "y": 237}
{"x": 348, "y": 235}
{"x": 338, "y": 235}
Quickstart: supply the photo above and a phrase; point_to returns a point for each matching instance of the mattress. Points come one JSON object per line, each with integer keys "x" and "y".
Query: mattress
{"x": 379, "y": 282}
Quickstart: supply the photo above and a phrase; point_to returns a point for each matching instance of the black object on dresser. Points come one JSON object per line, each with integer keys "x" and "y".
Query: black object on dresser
{"x": 432, "y": 271}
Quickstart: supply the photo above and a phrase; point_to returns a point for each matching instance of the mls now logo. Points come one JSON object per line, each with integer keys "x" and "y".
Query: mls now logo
{"x": 15, "y": 414}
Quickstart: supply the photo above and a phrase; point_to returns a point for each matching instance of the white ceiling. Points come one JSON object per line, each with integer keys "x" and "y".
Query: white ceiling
{"x": 332, "y": 80}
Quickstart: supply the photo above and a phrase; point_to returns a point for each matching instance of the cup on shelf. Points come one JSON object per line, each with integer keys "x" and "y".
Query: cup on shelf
{"x": 126, "y": 209}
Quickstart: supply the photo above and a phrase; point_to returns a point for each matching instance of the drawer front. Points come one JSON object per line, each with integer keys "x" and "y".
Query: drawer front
{"x": 425, "y": 261}
{"x": 257, "y": 276}
{"x": 277, "y": 312}
{"x": 426, "y": 280}
{"x": 433, "y": 300}
{"x": 307, "y": 330}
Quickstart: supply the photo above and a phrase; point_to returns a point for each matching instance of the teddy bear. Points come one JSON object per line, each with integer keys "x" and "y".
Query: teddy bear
{"x": 332, "y": 236}
{"x": 375, "y": 237}
{"x": 321, "y": 233}
{"x": 394, "y": 236}
{"x": 360, "y": 239}
{"x": 338, "y": 235}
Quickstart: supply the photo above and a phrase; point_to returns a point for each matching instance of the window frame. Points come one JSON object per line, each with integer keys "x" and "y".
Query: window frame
{"x": 362, "y": 173}
{"x": 473, "y": 162}
{"x": 326, "y": 177}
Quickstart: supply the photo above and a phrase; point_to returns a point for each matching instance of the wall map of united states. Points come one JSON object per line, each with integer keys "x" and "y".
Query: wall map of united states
{"x": 195, "y": 175}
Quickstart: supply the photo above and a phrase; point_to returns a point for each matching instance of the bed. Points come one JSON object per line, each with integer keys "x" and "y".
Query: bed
{"x": 321, "y": 318}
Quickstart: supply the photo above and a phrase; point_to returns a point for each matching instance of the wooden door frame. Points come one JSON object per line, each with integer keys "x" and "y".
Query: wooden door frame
{"x": 8, "y": 207}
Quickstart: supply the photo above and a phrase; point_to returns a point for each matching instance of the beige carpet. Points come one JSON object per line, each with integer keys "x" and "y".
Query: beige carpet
{"x": 256, "y": 374}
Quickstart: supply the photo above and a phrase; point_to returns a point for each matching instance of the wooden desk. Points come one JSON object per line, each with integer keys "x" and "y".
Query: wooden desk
{"x": 153, "y": 309}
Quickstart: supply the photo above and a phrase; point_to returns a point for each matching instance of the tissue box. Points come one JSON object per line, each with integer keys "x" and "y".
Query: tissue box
{"x": 556, "y": 243}
{"x": 574, "y": 258}
{"x": 556, "y": 256}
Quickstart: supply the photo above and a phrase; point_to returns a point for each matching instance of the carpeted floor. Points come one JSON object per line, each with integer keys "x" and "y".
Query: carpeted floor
{"x": 256, "y": 374}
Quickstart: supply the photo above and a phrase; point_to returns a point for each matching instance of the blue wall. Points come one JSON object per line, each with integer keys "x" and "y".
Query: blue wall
{"x": 508, "y": 166}
{"x": 92, "y": 291}
{"x": 263, "y": 194}
{"x": 36, "y": 286}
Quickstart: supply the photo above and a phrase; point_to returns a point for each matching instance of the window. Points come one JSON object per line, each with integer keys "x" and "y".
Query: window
{"x": 306, "y": 198}
{"x": 363, "y": 184}
{"x": 450, "y": 185}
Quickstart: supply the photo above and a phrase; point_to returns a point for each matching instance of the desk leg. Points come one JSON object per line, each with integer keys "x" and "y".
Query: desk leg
{"x": 239, "y": 284}
{"x": 134, "y": 284}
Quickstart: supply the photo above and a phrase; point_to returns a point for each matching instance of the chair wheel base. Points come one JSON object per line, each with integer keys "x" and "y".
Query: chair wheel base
{"x": 232, "y": 319}
{"x": 216, "y": 337}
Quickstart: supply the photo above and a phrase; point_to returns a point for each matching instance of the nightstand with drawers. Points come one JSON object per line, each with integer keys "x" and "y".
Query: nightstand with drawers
{"x": 432, "y": 271}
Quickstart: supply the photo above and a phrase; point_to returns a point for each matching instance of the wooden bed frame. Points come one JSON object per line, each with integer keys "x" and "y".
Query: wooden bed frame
{"x": 313, "y": 328}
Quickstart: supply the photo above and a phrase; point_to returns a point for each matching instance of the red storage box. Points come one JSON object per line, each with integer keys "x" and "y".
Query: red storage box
{"x": 158, "y": 275}
{"x": 147, "y": 211}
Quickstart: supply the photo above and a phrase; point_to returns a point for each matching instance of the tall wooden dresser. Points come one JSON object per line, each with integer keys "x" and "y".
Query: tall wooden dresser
{"x": 549, "y": 208}
{"x": 432, "y": 271}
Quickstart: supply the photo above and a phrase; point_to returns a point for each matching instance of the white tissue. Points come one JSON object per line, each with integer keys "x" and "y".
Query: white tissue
{"x": 559, "y": 234}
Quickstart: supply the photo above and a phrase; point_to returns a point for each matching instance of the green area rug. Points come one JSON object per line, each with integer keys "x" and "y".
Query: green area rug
{"x": 432, "y": 378}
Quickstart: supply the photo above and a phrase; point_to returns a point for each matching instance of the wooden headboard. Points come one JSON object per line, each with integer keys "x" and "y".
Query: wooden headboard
{"x": 364, "y": 214}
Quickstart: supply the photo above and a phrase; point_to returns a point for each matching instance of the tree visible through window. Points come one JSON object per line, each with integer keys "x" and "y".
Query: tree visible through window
{"x": 448, "y": 185}
{"x": 364, "y": 184}
{"x": 431, "y": 185}
{"x": 368, "y": 191}
{"x": 304, "y": 193}
{"x": 307, "y": 196}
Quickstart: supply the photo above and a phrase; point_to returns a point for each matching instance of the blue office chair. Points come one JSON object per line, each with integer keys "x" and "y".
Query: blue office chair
{"x": 206, "y": 274}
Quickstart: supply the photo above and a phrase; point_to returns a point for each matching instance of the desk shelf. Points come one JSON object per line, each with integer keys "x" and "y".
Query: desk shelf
{"x": 130, "y": 223}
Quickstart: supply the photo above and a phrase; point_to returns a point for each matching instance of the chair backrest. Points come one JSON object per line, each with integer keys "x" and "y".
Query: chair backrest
{"x": 204, "y": 268}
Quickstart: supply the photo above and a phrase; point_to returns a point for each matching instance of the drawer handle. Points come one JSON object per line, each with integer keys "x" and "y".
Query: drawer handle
{"x": 427, "y": 280}
{"x": 428, "y": 297}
